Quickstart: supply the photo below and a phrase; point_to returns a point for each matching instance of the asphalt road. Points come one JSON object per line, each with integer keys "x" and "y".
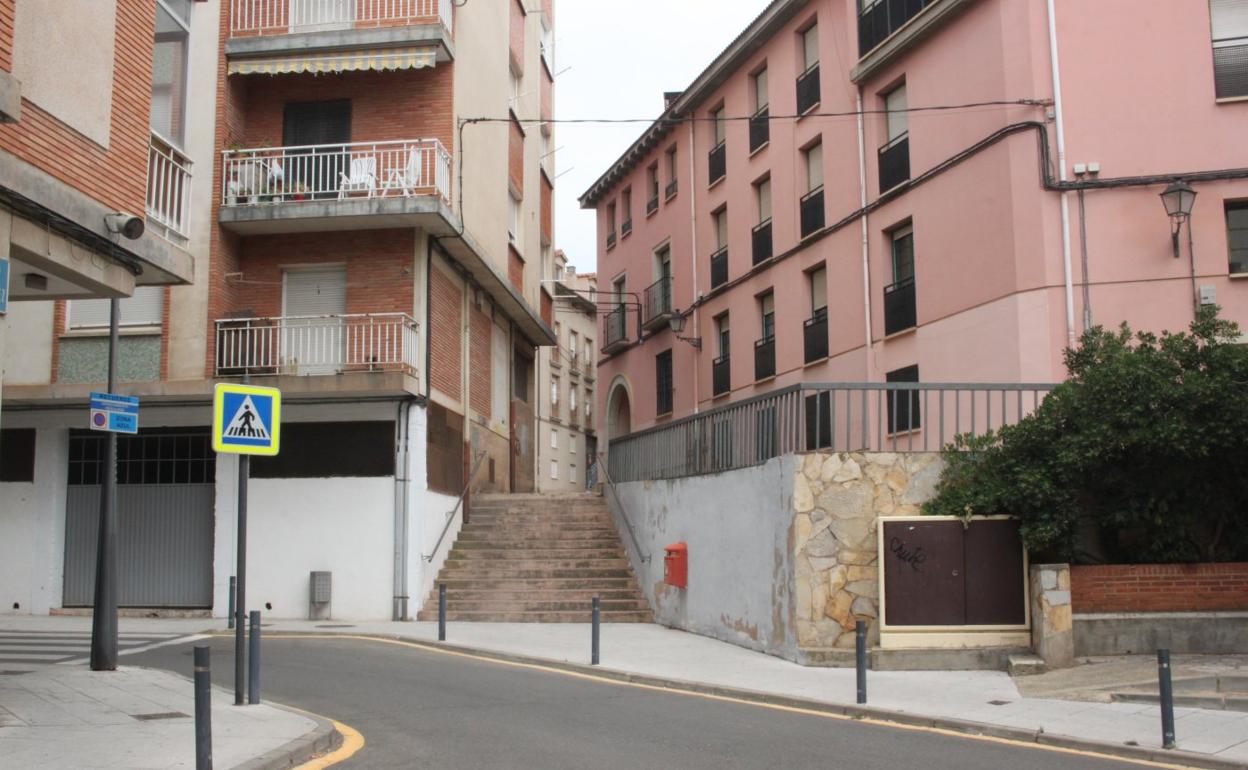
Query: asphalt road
{"x": 417, "y": 708}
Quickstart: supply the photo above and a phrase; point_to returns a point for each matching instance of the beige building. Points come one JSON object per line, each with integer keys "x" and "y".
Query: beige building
{"x": 567, "y": 444}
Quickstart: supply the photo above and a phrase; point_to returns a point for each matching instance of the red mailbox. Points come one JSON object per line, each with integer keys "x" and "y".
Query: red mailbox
{"x": 676, "y": 565}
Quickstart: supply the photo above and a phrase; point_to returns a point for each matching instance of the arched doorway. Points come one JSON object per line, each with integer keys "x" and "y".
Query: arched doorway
{"x": 619, "y": 410}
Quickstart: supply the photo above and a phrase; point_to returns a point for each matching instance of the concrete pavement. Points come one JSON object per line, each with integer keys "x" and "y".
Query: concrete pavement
{"x": 664, "y": 655}
{"x": 63, "y": 715}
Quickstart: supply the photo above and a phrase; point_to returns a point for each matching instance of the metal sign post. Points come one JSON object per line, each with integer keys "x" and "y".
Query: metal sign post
{"x": 246, "y": 420}
{"x": 104, "y": 607}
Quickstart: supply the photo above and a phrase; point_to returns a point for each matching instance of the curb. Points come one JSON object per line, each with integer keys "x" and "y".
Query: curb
{"x": 323, "y": 739}
{"x": 852, "y": 711}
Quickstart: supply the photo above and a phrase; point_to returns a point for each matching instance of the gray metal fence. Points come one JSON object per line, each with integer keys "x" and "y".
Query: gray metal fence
{"x": 842, "y": 417}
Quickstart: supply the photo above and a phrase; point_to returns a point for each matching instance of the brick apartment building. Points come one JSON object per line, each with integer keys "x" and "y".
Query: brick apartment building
{"x": 355, "y": 243}
{"x": 854, "y": 220}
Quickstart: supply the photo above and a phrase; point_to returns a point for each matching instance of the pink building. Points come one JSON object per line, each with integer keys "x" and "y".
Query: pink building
{"x": 933, "y": 190}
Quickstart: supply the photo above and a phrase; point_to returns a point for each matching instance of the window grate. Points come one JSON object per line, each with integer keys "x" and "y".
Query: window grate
{"x": 156, "y": 457}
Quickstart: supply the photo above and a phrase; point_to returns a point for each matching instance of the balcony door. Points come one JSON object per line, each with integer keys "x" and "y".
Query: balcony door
{"x": 321, "y": 128}
{"x": 314, "y": 334}
{"x": 313, "y": 15}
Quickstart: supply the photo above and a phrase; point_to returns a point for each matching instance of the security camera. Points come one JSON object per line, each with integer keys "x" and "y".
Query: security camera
{"x": 127, "y": 224}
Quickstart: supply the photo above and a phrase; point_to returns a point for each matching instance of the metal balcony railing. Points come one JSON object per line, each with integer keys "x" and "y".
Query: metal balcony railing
{"x": 879, "y": 19}
{"x": 717, "y": 162}
{"x": 721, "y": 375}
{"x": 899, "y": 307}
{"x": 611, "y": 239}
{"x": 760, "y": 129}
{"x": 815, "y": 336}
{"x": 761, "y": 241}
{"x": 324, "y": 171}
{"x": 895, "y": 162}
{"x": 841, "y": 417}
{"x": 312, "y": 345}
{"x": 615, "y": 328}
{"x": 652, "y": 205}
{"x": 168, "y": 190}
{"x": 808, "y": 89}
{"x": 671, "y": 188}
{"x": 626, "y": 227}
{"x": 657, "y": 301}
{"x": 719, "y": 268}
{"x": 765, "y": 358}
{"x": 811, "y": 206}
{"x": 283, "y": 17}
{"x": 574, "y": 361}
{"x": 1230, "y": 67}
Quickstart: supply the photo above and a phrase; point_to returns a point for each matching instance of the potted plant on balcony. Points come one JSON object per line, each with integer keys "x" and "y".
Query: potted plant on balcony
{"x": 300, "y": 192}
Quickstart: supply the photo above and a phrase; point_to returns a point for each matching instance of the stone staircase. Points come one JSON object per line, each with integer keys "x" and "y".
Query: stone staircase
{"x": 538, "y": 559}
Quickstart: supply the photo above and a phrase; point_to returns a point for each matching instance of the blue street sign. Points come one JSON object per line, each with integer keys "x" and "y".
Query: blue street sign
{"x": 246, "y": 419}
{"x": 4, "y": 286}
{"x": 114, "y": 414}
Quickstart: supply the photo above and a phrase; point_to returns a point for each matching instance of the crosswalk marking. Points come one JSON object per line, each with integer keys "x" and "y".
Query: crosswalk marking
{"x": 19, "y": 646}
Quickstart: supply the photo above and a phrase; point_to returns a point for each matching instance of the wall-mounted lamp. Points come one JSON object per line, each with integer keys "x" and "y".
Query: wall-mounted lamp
{"x": 1178, "y": 199}
{"x": 677, "y": 324}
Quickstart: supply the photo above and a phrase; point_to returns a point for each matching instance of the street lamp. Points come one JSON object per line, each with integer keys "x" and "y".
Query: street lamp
{"x": 1178, "y": 199}
{"x": 677, "y": 324}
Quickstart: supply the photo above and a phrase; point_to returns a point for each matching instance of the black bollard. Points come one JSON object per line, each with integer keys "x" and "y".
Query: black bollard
{"x": 233, "y": 596}
{"x": 594, "y": 644}
{"x": 860, "y": 655}
{"x": 441, "y": 612}
{"x": 1167, "y": 699}
{"x": 203, "y": 709}
{"x": 253, "y": 670}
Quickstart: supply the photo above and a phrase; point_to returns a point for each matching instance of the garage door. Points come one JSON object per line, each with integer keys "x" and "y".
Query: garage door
{"x": 164, "y": 518}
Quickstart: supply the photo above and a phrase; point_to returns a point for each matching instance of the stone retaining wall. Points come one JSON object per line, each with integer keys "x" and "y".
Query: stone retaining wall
{"x": 837, "y": 498}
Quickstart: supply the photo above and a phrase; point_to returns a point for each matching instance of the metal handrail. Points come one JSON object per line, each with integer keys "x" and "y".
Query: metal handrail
{"x": 458, "y": 506}
{"x": 632, "y": 534}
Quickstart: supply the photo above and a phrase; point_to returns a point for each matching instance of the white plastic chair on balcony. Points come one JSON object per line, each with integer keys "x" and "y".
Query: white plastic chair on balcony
{"x": 406, "y": 179}
{"x": 362, "y": 178}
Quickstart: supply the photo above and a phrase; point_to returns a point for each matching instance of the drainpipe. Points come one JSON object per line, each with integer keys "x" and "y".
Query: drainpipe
{"x": 693, "y": 234}
{"x": 1061, "y": 175}
{"x": 401, "y": 510}
{"x": 1083, "y": 253}
{"x": 866, "y": 240}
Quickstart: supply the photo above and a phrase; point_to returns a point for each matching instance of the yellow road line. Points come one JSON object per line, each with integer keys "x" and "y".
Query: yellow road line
{"x": 708, "y": 696}
{"x": 352, "y": 742}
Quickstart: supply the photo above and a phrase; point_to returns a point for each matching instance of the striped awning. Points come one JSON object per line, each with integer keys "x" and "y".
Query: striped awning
{"x": 388, "y": 59}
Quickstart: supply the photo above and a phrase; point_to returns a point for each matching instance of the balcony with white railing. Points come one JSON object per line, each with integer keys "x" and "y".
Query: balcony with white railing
{"x": 287, "y": 17}
{"x": 317, "y": 345}
{"x": 168, "y": 191}
{"x": 289, "y": 189}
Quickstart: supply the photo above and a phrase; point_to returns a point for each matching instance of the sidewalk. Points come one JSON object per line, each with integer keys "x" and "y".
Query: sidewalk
{"x": 67, "y": 716}
{"x": 664, "y": 655}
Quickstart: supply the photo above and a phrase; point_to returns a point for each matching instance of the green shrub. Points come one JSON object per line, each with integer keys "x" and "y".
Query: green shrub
{"x": 1141, "y": 456}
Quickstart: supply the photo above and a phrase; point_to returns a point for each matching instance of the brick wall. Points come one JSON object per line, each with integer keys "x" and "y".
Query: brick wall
{"x": 515, "y": 268}
{"x": 446, "y": 307}
{"x": 548, "y": 307}
{"x": 385, "y": 106}
{"x": 515, "y": 154}
{"x": 547, "y": 89}
{"x": 548, "y": 194}
{"x": 379, "y": 268}
{"x": 1159, "y": 587}
{"x": 8, "y": 11}
{"x": 517, "y": 31}
{"x": 479, "y": 328}
{"x": 116, "y": 176}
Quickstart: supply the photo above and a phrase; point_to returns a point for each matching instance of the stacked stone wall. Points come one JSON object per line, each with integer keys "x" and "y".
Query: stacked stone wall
{"x": 837, "y": 499}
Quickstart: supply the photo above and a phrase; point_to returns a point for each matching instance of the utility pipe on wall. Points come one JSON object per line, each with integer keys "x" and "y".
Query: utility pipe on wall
{"x": 866, "y": 239}
{"x": 693, "y": 247}
{"x": 1061, "y": 174}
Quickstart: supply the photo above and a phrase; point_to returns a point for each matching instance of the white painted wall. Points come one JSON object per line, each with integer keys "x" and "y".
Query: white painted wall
{"x": 343, "y": 525}
{"x": 27, "y": 357}
{"x": 32, "y": 526}
{"x": 427, "y": 511}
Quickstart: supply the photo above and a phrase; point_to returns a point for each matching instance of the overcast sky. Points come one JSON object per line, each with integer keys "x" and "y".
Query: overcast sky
{"x": 615, "y": 60}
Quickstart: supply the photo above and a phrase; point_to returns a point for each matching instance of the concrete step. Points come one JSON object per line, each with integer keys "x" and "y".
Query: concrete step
{"x": 536, "y": 617}
{"x": 536, "y": 564}
{"x": 470, "y": 594}
{"x": 507, "y": 573}
{"x": 535, "y": 553}
{"x": 541, "y": 605}
{"x": 460, "y": 580}
{"x": 538, "y": 543}
{"x": 537, "y": 533}
{"x": 521, "y": 519}
{"x": 1025, "y": 664}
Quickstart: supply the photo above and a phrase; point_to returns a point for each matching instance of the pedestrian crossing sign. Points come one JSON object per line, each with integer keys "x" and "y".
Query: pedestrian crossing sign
{"x": 246, "y": 419}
